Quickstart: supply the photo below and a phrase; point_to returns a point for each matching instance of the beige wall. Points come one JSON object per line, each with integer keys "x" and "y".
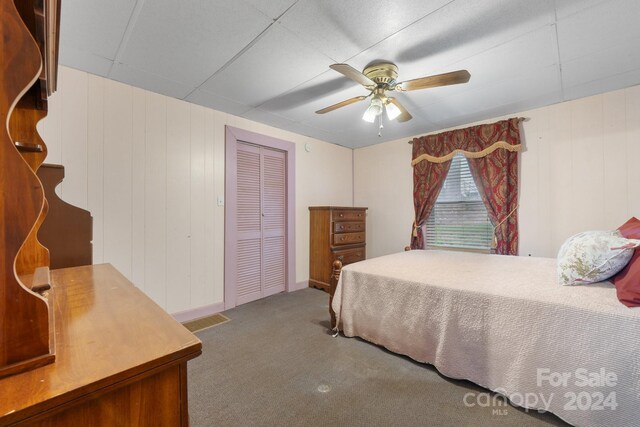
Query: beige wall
{"x": 579, "y": 171}
{"x": 150, "y": 167}
{"x": 383, "y": 183}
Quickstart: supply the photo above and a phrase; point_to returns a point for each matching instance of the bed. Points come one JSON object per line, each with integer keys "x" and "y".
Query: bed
{"x": 504, "y": 323}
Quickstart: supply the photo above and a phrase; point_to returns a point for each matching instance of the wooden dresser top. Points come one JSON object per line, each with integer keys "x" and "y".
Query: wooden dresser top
{"x": 107, "y": 331}
{"x": 312, "y": 208}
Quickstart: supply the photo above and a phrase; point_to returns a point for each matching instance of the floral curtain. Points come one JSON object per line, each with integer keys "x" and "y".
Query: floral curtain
{"x": 428, "y": 179}
{"x": 492, "y": 153}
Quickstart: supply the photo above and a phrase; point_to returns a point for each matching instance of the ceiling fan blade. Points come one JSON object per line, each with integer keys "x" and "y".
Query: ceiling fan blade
{"x": 353, "y": 74}
{"x": 452, "y": 78}
{"x": 404, "y": 114}
{"x": 341, "y": 104}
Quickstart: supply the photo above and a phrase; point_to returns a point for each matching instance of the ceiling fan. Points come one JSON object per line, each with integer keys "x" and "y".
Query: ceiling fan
{"x": 380, "y": 78}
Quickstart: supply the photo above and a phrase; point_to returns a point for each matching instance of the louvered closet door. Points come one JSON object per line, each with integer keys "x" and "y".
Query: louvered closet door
{"x": 249, "y": 212}
{"x": 261, "y": 219}
{"x": 273, "y": 221}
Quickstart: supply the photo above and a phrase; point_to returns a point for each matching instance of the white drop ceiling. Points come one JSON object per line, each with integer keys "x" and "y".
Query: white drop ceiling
{"x": 269, "y": 61}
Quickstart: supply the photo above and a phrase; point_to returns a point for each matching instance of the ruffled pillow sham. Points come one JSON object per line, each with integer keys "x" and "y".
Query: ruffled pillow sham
{"x": 593, "y": 256}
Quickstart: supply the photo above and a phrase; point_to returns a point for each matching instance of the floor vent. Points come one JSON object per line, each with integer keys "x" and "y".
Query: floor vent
{"x": 206, "y": 322}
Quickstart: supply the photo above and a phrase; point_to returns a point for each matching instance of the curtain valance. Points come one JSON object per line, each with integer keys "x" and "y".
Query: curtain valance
{"x": 468, "y": 154}
{"x": 472, "y": 142}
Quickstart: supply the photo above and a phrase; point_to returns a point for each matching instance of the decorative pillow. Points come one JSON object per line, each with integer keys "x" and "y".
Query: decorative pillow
{"x": 627, "y": 281}
{"x": 593, "y": 256}
{"x": 631, "y": 228}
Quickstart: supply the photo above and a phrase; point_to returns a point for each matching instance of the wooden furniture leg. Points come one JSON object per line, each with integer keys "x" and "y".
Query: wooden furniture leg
{"x": 335, "y": 276}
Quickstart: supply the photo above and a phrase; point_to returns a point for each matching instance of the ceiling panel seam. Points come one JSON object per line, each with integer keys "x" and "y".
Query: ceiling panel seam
{"x": 135, "y": 13}
{"x": 497, "y": 45}
{"x": 598, "y": 79}
{"x": 243, "y": 50}
{"x": 555, "y": 27}
{"x": 579, "y": 11}
{"x": 403, "y": 28}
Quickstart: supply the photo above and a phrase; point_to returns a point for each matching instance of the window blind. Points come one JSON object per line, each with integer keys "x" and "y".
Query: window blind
{"x": 459, "y": 218}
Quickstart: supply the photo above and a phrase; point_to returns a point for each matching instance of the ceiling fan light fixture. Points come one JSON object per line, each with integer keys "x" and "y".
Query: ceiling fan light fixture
{"x": 382, "y": 77}
{"x": 392, "y": 111}
{"x": 374, "y": 110}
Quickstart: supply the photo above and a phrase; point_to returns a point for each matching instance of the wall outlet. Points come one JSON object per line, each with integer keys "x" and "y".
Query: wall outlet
{"x": 220, "y": 201}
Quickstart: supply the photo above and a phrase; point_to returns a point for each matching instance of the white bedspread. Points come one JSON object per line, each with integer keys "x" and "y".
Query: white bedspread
{"x": 503, "y": 323}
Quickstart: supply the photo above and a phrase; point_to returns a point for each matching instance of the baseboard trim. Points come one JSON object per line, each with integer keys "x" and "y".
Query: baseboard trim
{"x": 197, "y": 313}
{"x": 299, "y": 285}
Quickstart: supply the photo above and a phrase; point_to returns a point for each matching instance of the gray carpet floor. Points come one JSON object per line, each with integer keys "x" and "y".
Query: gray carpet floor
{"x": 275, "y": 364}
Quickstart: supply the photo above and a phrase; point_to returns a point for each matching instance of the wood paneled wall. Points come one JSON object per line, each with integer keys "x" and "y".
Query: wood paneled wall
{"x": 150, "y": 169}
{"x": 578, "y": 172}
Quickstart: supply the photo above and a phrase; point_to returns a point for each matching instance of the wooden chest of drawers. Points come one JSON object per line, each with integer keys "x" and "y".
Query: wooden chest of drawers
{"x": 336, "y": 233}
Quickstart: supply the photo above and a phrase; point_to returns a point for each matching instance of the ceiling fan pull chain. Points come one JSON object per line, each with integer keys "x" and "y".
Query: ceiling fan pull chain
{"x": 380, "y": 128}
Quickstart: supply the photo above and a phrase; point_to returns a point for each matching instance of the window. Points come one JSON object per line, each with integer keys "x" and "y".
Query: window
{"x": 459, "y": 218}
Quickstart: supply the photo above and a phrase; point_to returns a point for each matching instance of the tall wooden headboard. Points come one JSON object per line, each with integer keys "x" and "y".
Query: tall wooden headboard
{"x": 28, "y": 64}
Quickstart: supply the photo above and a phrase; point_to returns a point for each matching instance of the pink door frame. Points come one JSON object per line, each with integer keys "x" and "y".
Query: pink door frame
{"x": 232, "y": 137}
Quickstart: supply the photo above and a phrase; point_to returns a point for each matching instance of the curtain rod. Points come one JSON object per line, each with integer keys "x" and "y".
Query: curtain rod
{"x": 520, "y": 120}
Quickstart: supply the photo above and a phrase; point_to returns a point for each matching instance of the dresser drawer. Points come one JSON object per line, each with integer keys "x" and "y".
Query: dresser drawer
{"x": 348, "y": 238}
{"x": 347, "y": 215}
{"x": 350, "y": 256}
{"x": 348, "y": 227}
